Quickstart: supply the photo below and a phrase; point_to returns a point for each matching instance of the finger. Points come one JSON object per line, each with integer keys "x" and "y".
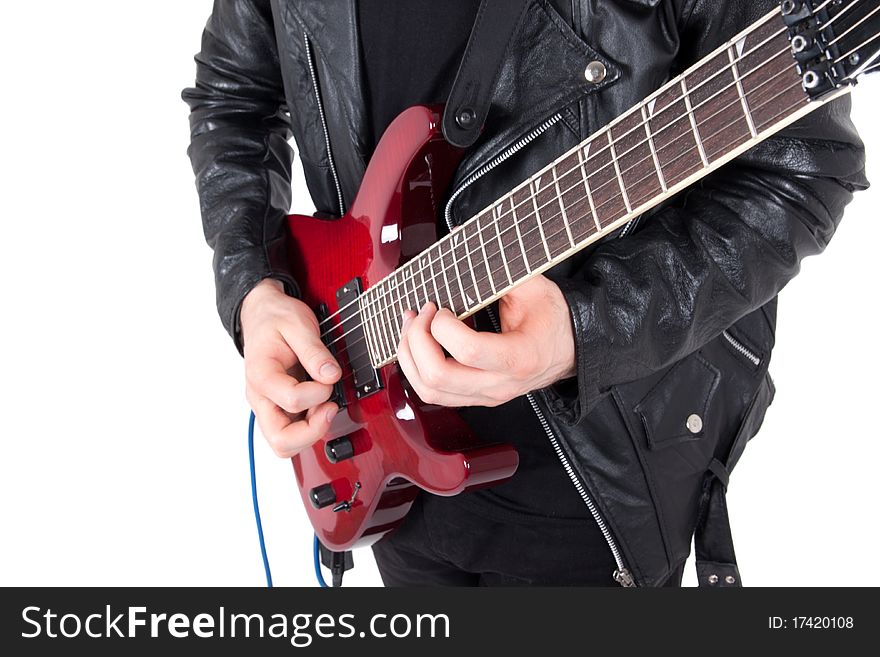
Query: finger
{"x": 494, "y": 352}
{"x": 436, "y": 370}
{"x": 287, "y": 436}
{"x": 312, "y": 353}
{"x": 269, "y": 379}
{"x": 433, "y": 394}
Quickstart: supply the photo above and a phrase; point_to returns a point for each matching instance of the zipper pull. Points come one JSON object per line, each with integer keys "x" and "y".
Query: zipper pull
{"x": 624, "y": 578}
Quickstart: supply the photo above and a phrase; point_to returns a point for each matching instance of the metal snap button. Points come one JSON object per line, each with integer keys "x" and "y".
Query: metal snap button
{"x": 465, "y": 118}
{"x": 713, "y": 579}
{"x": 730, "y": 579}
{"x": 595, "y": 72}
{"x": 694, "y": 423}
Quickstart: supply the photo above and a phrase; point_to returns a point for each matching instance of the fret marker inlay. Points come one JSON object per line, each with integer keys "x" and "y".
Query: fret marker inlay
{"x": 696, "y": 131}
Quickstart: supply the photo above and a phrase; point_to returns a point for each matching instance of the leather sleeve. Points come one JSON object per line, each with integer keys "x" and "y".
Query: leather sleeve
{"x": 718, "y": 251}
{"x": 240, "y": 152}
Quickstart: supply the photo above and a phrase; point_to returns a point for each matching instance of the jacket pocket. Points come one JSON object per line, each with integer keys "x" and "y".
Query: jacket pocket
{"x": 675, "y": 419}
{"x": 669, "y": 416}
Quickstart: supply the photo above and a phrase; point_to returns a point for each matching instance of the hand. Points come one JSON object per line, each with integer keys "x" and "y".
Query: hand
{"x": 281, "y": 342}
{"x": 534, "y": 349}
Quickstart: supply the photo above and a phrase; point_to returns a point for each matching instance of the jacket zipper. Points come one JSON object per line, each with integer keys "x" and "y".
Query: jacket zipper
{"x": 495, "y": 161}
{"x": 742, "y": 349}
{"x": 621, "y": 575}
{"x": 311, "y": 59}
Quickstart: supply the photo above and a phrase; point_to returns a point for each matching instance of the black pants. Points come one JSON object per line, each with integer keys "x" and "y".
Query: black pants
{"x": 460, "y": 542}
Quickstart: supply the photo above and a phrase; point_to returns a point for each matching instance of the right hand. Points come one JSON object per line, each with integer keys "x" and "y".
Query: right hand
{"x": 281, "y": 342}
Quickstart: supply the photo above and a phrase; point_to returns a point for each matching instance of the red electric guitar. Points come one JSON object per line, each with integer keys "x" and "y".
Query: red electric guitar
{"x": 359, "y": 273}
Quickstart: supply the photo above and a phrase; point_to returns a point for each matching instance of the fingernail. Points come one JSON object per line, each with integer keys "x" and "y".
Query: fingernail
{"x": 331, "y": 414}
{"x": 328, "y": 370}
{"x": 406, "y": 320}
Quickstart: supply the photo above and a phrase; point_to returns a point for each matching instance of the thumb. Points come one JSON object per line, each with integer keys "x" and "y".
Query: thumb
{"x": 315, "y": 358}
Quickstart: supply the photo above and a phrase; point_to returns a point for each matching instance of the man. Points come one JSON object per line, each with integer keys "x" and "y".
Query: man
{"x": 645, "y": 357}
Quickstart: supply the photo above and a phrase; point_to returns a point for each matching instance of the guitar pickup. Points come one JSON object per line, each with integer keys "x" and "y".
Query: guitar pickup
{"x": 366, "y": 377}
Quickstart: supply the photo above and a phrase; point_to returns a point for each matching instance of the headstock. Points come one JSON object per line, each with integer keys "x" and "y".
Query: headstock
{"x": 834, "y": 41}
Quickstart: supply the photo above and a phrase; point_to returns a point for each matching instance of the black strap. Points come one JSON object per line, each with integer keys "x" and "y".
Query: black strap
{"x": 713, "y": 541}
{"x": 468, "y": 102}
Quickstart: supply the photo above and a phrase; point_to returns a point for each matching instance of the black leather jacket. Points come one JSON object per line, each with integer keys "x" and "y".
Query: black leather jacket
{"x": 673, "y": 322}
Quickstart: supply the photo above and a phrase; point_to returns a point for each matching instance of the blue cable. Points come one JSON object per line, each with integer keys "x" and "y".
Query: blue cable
{"x": 318, "y": 564}
{"x": 317, "y": 549}
{"x": 256, "y": 503}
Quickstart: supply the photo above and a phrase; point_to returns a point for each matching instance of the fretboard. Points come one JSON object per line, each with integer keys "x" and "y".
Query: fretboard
{"x": 733, "y": 98}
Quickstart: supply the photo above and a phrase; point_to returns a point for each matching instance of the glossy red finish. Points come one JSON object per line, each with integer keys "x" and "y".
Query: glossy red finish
{"x": 401, "y": 444}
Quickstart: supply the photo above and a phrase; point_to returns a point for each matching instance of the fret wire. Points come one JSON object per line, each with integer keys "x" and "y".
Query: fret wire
{"x": 369, "y": 334}
{"x": 776, "y": 119}
{"x": 401, "y": 291}
{"x": 583, "y": 158}
{"x": 443, "y": 269}
{"x": 438, "y": 302}
{"x": 586, "y": 147}
{"x": 562, "y": 206}
{"x": 424, "y": 282}
{"x": 375, "y": 327}
{"x": 533, "y": 191}
{"x": 525, "y": 257}
{"x": 400, "y": 308}
{"x": 777, "y": 116}
{"x": 467, "y": 252}
{"x": 693, "y": 120}
{"x": 389, "y": 343}
{"x": 415, "y": 289}
{"x": 653, "y": 151}
{"x": 415, "y": 286}
{"x": 381, "y": 338}
{"x": 404, "y": 279}
{"x": 739, "y": 89}
{"x": 741, "y": 57}
{"x": 781, "y": 113}
{"x": 728, "y": 124}
{"x": 486, "y": 257}
{"x": 580, "y": 155}
{"x": 617, "y": 171}
{"x": 519, "y": 236}
{"x": 394, "y": 316}
{"x": 464, "y": 297}
{"x": 496, "y": 210}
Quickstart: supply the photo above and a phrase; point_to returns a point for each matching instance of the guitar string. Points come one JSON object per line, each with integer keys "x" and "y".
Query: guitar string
{"x": 380, "y": 341}
{"x": 396, "y": 284}
{"x": 360, "y": 339}
{"x": 641, "y": 125}
{"x": 857, "y": 48}
{"x": 853, "y": 26}
{"x": 392, "y": 283}
{"x": 384, "y": 326}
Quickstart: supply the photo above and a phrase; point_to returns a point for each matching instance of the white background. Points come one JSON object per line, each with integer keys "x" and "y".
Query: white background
{"x": 123, "y": 457}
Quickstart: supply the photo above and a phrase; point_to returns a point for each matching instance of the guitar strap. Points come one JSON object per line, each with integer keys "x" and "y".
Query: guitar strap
{"x": 468, "y": 102}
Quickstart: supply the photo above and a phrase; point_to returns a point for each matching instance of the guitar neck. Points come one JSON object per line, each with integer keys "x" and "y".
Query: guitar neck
{"x": 733, "y": 98}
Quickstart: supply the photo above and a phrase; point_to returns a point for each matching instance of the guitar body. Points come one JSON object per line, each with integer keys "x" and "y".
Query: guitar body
{"x": 399, "y": 444}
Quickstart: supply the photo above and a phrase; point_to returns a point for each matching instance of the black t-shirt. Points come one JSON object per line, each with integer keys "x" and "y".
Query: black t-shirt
{"x": 412, "y": 50}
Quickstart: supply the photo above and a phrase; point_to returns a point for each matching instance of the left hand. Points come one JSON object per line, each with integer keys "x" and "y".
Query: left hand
{"x": 534, "y": 349}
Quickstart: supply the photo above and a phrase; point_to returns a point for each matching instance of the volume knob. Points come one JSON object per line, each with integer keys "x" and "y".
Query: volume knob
{"x": 339, "y": 449}
{"x": 323, "y": 495}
